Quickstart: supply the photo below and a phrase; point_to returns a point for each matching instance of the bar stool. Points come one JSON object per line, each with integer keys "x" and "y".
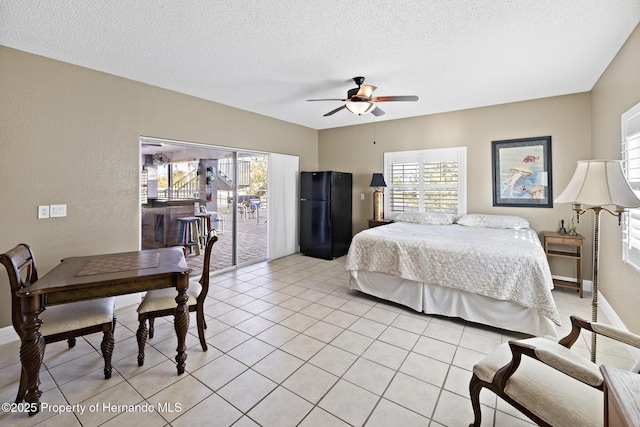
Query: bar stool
{"x": 218, "y": 218}
{"x": 205, "y": 226}
{"x": 188, "y": 235}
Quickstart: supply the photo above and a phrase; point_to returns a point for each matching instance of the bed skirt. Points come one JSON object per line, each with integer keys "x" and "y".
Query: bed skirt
{"x": 441, "y": 300}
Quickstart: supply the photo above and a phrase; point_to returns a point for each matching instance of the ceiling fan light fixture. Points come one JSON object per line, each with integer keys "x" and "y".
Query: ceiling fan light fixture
{"x": 360, "y": 100}
{"x": 360, "y": 107}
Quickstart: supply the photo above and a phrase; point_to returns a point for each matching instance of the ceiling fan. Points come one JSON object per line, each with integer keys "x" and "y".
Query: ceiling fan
{"x": 159, "y": 159}
{"x": 360, "y": 100}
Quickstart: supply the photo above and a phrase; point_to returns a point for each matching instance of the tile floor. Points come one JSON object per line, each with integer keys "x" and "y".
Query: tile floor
{"x": 290, "y": 345}
{"x": 251, "y": 241}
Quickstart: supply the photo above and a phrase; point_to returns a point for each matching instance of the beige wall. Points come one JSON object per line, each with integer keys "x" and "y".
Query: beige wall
{"x": 617, "y": 90}
{"x": 565, "y": 118}
{"x": 70, "y": 135}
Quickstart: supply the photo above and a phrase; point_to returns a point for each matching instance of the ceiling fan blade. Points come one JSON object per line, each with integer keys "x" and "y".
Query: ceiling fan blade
{"x": 342, "y": 107}
{"x": 328, "y": 99}
{"x": 365, "y": 91}
{"x": 395, "y": 98}
{"x": 377, "y": 111}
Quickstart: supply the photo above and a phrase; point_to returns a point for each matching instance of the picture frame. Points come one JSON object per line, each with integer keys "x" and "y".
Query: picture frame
{"x": 522, "y": 172}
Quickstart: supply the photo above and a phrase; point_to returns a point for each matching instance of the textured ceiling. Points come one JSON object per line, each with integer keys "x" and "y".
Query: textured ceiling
{"x": 269, "y": 57}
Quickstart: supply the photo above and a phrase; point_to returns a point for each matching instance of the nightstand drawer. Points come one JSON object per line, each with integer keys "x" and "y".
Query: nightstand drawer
{"x": 566, "y": 241}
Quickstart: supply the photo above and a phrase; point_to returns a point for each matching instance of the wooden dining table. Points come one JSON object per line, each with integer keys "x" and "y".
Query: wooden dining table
{"x": 99, "y": 276}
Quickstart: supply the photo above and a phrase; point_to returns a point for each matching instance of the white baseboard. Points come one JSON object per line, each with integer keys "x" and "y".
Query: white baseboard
{"x": 7, "y": 334}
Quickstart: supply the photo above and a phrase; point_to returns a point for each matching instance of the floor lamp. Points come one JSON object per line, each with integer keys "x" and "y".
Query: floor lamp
{"x": 598, "y": 183}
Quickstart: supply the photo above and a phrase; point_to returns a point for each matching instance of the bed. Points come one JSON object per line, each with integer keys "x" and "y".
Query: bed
{"x": 489, "y": 269}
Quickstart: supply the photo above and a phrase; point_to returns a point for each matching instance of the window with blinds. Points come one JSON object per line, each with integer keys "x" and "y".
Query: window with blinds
{"x": 426, "y": 181}
{"x": 631, "y": 167}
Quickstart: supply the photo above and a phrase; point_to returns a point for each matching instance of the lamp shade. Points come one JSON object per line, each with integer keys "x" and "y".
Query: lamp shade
{"x": 360, "y": 107}
{"x": 377, "y": 180}
{"x": 599, "y": 183}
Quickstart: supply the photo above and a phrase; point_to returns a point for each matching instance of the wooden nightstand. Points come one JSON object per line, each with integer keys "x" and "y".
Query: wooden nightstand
{"x": 572, "y": 250}
{"x": 379, "y": 222}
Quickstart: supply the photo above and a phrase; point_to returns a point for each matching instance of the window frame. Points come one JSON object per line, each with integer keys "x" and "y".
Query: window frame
{"x": 458, "y": 154}
{"x": 630, "y": 151}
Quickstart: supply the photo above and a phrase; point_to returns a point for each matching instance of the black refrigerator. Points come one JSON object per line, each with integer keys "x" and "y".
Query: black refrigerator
{"x": 325, "y": 214}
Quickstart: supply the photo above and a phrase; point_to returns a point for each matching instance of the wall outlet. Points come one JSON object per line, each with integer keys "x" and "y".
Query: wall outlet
{"x": 58, "y": 211}
{"x": 361, "y": 196}
{"x": 43, "y": 211}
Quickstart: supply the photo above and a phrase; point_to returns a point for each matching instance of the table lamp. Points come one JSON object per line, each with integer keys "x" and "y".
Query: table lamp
{"x": 377, "y": 181}
{"x": 597, "y": 183}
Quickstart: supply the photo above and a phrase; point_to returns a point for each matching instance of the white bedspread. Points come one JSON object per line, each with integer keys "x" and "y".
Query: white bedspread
{"x": 504, "y": 264}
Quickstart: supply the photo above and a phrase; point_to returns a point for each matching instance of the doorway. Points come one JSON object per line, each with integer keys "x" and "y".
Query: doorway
{"x": 228, "y": 187}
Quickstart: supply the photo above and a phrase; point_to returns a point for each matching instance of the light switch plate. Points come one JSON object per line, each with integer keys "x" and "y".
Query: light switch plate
{"x": 43, "y": 211}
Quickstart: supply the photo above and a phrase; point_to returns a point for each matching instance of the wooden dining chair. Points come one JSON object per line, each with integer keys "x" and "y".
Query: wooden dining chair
{"x": 162, "y": 302}
{"x": 61, "y": 322}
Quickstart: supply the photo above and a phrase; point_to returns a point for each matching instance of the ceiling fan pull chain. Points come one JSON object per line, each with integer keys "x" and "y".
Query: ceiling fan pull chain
{"x": 374, "y": 129}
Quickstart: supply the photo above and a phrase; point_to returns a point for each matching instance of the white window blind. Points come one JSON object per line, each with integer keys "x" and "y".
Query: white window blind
{"x": 631, "y": 167}
{"x": 426, "y": 181}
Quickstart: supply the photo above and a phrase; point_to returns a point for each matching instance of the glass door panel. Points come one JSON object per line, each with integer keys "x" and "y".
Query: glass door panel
{"x": 252, "y": 220}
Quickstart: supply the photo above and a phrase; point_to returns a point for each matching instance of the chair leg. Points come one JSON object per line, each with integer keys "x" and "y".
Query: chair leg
{"x": 107, "y": 350}
{"x": 151, "y": 327}
{"x": 474, "y": 392}
{"x": 71, "y": 342}
{"x": 22, "y": 388}
{"x": 201, "y": 327}
{"x": 141, "y": 336}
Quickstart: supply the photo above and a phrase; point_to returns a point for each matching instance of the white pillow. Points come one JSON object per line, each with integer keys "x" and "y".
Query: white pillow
{"x": 493, "y": 221}
{"x": 426, "y": 217}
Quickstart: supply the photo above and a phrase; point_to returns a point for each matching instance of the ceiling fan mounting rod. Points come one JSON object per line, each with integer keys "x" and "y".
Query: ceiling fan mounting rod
{"x": 359, "y": 80}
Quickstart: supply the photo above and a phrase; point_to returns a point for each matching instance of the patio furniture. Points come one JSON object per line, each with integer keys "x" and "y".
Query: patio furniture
{"x": 217, "y": 219}
{"x": 188, "y": 234}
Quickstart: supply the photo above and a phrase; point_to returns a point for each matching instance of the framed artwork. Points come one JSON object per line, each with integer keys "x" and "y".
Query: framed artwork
{"x": 522, "y": 172}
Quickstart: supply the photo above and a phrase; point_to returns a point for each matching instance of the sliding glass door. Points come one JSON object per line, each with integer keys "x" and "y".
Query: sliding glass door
{"x": 219, "y": 186}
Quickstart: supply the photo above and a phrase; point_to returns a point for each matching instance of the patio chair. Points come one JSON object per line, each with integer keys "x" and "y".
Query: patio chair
{"x": 552, "y": 385}
{"x": 60, "y": 322}
{"x": 254, "y": 205}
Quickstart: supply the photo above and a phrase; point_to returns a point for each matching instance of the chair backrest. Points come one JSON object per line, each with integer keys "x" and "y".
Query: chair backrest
{"x": 21, "y": 268}
{"x": 212, "y": 237}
